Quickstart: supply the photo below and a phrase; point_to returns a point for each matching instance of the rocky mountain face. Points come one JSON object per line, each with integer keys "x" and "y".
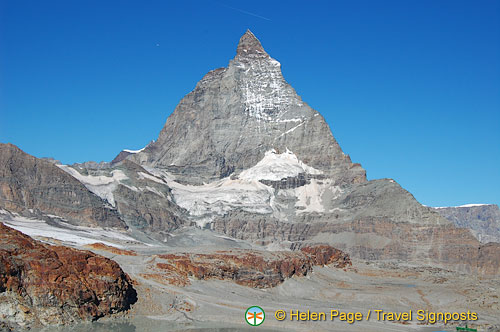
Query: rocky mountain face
{"x": 482, "y": 219}
{"x": 237, "y": 114}
{"x": 35, "y": 187}
{"x": 244, "y": 183}
{"x": 144, "y": 202}
{"x": 42, "y": 284}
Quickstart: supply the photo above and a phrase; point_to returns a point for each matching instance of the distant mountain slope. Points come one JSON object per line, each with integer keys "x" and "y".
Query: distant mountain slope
{"x": 482, "y": 219}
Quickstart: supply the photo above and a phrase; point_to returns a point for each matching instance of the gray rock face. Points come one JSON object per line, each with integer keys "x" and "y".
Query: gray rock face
{"x": 35, "y": 187}
{"x": 147, "y": 204}
{"x": 482, "y": 219}
{"x": 235, "y": 115}
{"x": 376, "y": 220}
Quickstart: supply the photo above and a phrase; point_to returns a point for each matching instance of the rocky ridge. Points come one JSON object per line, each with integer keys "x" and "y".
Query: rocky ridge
{"x": 253, "y": 268}
{"x": 237, "y": 114}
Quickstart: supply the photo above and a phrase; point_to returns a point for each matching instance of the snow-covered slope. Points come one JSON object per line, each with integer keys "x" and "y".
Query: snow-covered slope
{"x": 276, "y": 166}
{"x": 101, "y": 185}
{"x": 59, "y": 229}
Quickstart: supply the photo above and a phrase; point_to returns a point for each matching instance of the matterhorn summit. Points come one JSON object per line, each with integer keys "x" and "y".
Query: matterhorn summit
{"x": 235, "y": 115}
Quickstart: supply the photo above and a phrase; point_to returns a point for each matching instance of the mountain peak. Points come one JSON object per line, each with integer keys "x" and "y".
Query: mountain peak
{"x": 235, "y": 116}
{"x": 249, "y": 44}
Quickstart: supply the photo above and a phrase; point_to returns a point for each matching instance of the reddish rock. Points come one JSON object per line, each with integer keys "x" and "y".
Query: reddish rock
{"x": 117, "y": 251}
{"x": 488, "y": 258}
{"x": 259, "y": 269}
{"x": 42, "y": 284}
{"x": 326, "y": 255}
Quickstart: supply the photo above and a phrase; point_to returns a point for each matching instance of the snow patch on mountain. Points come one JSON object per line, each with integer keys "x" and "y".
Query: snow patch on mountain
{"x": 143, "y": 175}
{"x": 460, "y": 206}
{"x": 102, "y": 186}
{"x": 220, "y": 197}
{"x": 276, "y": 166}
{"x": 290, "y": 130}
{"x": 314, "y": 196}
{"x": 134, "y": 151}
{"x": 266, "y": 94}
{"x": 75, "y": 235}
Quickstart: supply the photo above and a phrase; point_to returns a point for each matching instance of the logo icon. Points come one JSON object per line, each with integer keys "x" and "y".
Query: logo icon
{"x": 255, "y": 316}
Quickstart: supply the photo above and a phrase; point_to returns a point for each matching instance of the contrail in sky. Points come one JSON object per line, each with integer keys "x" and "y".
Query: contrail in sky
{"x": 245, "y": 12}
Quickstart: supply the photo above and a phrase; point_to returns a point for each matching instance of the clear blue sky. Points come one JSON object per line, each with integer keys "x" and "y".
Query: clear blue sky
{"x": 411, "y": 89}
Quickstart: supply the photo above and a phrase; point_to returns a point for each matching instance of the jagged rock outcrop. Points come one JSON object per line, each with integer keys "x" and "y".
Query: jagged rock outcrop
{"x": 44, "y": 285}
{"x": 114, "y": 250}
{"x": 35, "y": 187}
{"x": 259, "y": 269}
{"x": 483, "y": 220}
{"x": 143, "y": 201}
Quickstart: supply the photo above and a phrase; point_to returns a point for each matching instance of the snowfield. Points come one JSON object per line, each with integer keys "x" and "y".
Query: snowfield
{"x": 102, "y": 186}
{"x": 460, "y": 206}
{"x": 74, "y": 235}
{"x": 220, "y": 197}
{"x": 276, "y": 166}
{"x": 245, "y": 193}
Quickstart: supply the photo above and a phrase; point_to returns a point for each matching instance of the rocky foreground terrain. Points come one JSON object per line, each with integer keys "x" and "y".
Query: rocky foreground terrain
{"x": 245, "y": 198}
{"x": 182, "y": 287}
{"x": 43, "y": 285}
{"x": 253, "y": 268}
{"x": 49, "y": 284}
